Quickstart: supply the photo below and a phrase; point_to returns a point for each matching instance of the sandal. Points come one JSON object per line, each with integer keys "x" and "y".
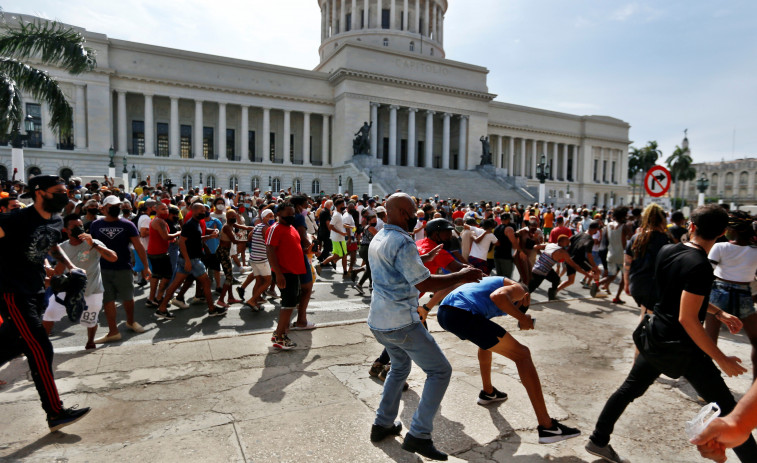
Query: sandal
{"x": 310, "y": 326}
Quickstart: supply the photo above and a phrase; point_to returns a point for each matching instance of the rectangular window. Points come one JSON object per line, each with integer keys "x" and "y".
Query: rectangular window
{"x": 348, "y": 22}
{"x": 604, "y": 171}
{"x": 420, "y": 25}
{"x": 185, "y": 142}
{"x": 385, "y": 19}
{"x": 138, "y": 137}
{"x": 596, "y": 170}
{"x": 385, "y": 159}
{"x": 230, "y": 145}
{"x": 251, "y": 144}
{"x": 362, "y": 19}
{"x": 420, "y": 153}
{"x": 272, "y": 154}
{"x": 291, "y": 148}
{"x": 613, "y": 171}
{"x": 162, "y": 140}
{"x": 403, "y": 152}
{"x": 207, "y": 143}
{"x": 402, "y": 21}
{"x": 570, "y": 169}
{"x": 35, "y": 136}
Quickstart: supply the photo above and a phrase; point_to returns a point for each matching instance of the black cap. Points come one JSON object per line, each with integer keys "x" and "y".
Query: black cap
{"x": 438, "y": 225}
{"x": 42, "y": 182}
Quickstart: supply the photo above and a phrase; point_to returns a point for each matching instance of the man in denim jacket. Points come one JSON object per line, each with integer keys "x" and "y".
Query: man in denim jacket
{"x": 399, "y": 277}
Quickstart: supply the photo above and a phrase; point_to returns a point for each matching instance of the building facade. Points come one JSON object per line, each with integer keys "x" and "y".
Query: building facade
{"x": 730, "y": 181}
{"x": 213, "y": 121}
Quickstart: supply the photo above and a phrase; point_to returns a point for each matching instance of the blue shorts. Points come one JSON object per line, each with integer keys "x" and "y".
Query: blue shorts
{"x": 307, "y": 277}
{"x": 198, "y": 268}
{"x": 732, "y": 298}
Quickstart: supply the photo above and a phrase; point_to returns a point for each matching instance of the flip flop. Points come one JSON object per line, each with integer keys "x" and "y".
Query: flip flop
{"x": 309, "y": 326}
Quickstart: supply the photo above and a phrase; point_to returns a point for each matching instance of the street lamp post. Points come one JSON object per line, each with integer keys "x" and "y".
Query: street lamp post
{"x": 734, "y": 206}
{"x": 111, "y": 165}
{"x": 702, "y": 184}
{"x": 125, "y": 175}
{"x": 340, "y": 184}
{"x": 133, "y": 177}
{"x": 567, "y": 192}
{"x": 542, "y": 173}
{"x": 370, "y": 183}
{"x": 17, "y": 147}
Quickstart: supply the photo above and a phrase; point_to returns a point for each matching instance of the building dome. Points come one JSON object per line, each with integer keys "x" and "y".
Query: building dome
{"x": 411, "y": 26}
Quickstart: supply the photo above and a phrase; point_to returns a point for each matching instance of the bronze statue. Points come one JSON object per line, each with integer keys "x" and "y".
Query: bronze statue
{"x": 486, "y": 155}
{"x": 361, "y": 143}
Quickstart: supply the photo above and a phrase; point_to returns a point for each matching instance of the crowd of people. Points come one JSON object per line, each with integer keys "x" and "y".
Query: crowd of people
{"x": 222, "y": 242}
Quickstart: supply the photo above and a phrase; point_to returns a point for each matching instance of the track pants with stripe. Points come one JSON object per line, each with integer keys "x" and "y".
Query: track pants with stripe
{"x": 22, "y": 332}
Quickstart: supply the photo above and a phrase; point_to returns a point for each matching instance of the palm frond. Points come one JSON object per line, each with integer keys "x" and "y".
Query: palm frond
{"x": 10, "y": 105}
{"x": 41, "y": 86}
{"x": 51, "y": 42}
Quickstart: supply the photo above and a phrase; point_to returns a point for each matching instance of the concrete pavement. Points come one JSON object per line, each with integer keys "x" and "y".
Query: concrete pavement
{"x": 233, "y": 398}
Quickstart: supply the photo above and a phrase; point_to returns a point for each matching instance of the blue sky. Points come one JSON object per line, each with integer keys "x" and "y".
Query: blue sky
{"x": 661, "y": 66}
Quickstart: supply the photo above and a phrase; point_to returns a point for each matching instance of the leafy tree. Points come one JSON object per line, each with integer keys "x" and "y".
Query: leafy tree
{"x": 679, "y": 164}
{"x": 640, "y": 160}
{"x": 44, "y": 43}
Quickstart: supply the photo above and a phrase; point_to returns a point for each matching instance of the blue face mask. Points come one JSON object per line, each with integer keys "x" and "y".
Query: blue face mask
{"x": 272, "y": 221}
{"x": 77, "y": 196}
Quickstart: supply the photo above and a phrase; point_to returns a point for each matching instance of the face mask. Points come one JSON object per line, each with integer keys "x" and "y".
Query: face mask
{"x": 114, "y": 210}
{"x": 200, "y": 216}
{"x": 76, "y": 232}
{"x": 289, "y": 220}
{"x": 411, "y": 223}
{"x": 163, "y": 216}
{"x": 231, "y": 221}
{"x": 459, "y": 229}
{"x": 56, "y": 203}
{"x": 92, "y": 211}
{"x": 448, "y": 245}
{"x": 271, "y": 222}
{"x": 220, "y": 207}
{"x": 126, "y": 212}
{"x": 77, "y": 196}
{"x": 373, "y": 224}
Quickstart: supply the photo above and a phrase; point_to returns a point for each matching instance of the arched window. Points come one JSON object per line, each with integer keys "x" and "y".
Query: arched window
{"x": 66, "y": 173}
{"x": 3, "y": 172}
{"x": 297, "y": 186}
{"x": 350, "y": 186}
{"x": 186, "y": 181}
{"x": 161, "y": 178}
{"x": 386, "y": 42}
{"x": 33, "y": 171}
{"x": 432, "y": 52}
{"x": 315, "y": 187}
{"x": 210, "y": 181}
{"x": 233, "y": 182}
{"x": 276, "y": 185}
{"x": 743, "y": 178}
{"x": 412, "y": 46}
{"x": 255, "y": 182}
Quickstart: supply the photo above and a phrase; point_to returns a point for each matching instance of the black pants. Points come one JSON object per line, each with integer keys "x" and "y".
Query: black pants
{"x": 363, "y": 253}
{"x": 22, "y": 332}
{"x": 326, "y": 249}
{"x": 703, "y": 375}
{"x": 536, "y": 280}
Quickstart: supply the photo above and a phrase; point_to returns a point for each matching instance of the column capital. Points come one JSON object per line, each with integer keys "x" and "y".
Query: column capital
{"x": 378, "y": 105}
{"x": 326, "y": 116}
{"x": 463, "y": 117}
{"x": 199, "y": 101}
{"x": 412, "y": 110}
{"x": 221, "y": 104}
{"x": 394, "y": 107}
{"x": 121, "y": 92}
{"x": 148, "y": 95}
{"x": 244, "y": 106}
{"x": 174, "y": 98}
{"x": 287, "y": 111}
{"x": 430, "y": 113}
{"x": 448, "y": 115}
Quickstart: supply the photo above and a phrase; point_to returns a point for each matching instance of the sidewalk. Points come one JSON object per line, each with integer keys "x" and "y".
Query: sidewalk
{"x": 235, "y": 399}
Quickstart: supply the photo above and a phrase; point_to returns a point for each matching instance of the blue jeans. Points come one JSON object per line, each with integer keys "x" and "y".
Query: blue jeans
{"x": 413, "y": 343}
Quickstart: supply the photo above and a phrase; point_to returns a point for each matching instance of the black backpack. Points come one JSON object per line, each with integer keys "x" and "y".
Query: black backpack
{"x": 73, "y": 284}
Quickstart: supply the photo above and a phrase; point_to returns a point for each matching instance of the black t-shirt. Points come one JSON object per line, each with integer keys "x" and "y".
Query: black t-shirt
{"x": 323, "y": 231}
{"x": 677, "y": 232}
{"x": 28, "y": 239}
{"x": 192, "y": 232}
{"x": 680, "y": 268}
{"x": 580, "y": 244}
{"x": 641, "y": 274}
{"x": 505, "y": 248}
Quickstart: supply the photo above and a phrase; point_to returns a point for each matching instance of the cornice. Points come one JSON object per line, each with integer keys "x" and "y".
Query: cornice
{"x": 342, "y": 74}
{"x": 579, "y": 137}
{"x": 403, "y": 104}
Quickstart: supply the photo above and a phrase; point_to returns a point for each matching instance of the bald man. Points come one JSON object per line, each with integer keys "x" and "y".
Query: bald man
{"x": 399, "y": 276}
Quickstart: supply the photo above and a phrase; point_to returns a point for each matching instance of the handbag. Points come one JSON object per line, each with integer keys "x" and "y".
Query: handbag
{"x": 670, "y": 357}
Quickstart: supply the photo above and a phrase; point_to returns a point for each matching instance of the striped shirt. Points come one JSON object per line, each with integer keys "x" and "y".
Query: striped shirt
{"x": 545, "y": 262}
{"x": 257, "y": 245}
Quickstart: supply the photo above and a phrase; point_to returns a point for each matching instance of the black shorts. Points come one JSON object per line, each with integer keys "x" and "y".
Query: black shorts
{"x": 160, "y": 266}
{"x": 211, "y": 262}
{"x": 290, "y": 295}
{"x": 466, "y": 325}
{"x": 583, "y": 264}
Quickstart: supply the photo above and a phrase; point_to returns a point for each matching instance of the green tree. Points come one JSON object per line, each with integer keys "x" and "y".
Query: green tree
{"x": 640, "y": 160}
{"x": 23, "y": 45}
{"x": 679, "y": 164}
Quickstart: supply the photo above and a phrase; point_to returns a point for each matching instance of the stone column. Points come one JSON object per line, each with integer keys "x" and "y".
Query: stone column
{"x": 173, "y": 133}
{"x": 441, "y": 25}
{"x": 564, "y": 162}
{"x": 600, "y": 173}
{"x": 221, "y": 131}
{"x": 379, "y": 9}
{"x": 267, "y": 135}
{"x": 411, "y": 143}
{"x": 393, "y": 134}
{"x": 323, "y": 20}
{"x": 354, "y": 15}
{"x": 417, "y": 17}
{"x": 523, "y": 172}
{"x": 445, "y": 140}
{"x": 149, "y": 127}
{"x": 325, "y": 141}
{"x": 331, "y": 16}
{"x": 750, "y": 184}
{"x": 576, "y": 163}
{"x": 553, "y": 171}
{"x": 306, "y": 139}
{"x": 80, "y": 118}
{"x": 121, "y": 98}
{"x": 511, "y": 159}
{"x": 500, "y": 158}
{"x": 426, "y": 17}
{"x": 462, "y": 156}
{"x": 534, "y": 158}
{"x": 429, "y": 160}
{"x": 244, "y": 137}
{"x": 287, "y": 130}
{"x": 374, "y": 129}
{"x": 343, "y": 16}
{"x": 197, "y": 137}
{"x": 405, "y": 18}
{"x": 366, "y": 15}
{"x": 392, "y": 12}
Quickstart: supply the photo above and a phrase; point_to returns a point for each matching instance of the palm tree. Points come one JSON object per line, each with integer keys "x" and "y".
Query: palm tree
{"x": 44, "y": 43}
{"x": 679, "y": 164}
{"x": 640, "y": 160}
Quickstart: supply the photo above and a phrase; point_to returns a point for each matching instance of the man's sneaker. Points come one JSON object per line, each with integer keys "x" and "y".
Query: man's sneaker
{"x": 551, "y": 294}
{"x": 379, "y": 433}
{"x": 558, "y": 432}
{"x": 217, "y": 311}
{"x": 376, "y": 368}
{"x": 593, "y": 290}
{"x": 151, "y": 303}
{"x": 141, "y": 283}
{"x": 179, "y": 303}
{"x": 284, "y": 343}
{"x": 424, "y": 447}
{"x": 240, "y": 292}
{"x": 167, "y": 315}
{"x": 66, "y": 417}
{"x": 495, "y": 396}
{"x": 607, "y": 453}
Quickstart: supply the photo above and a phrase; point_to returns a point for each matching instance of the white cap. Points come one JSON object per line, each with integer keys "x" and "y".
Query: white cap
{"x": 111, "y": 201}
{"x": 266, "y": 213}
{"x": 380, "y": 209}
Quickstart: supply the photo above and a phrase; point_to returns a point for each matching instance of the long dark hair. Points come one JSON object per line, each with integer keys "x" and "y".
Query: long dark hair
{"x": 652, "y": 219}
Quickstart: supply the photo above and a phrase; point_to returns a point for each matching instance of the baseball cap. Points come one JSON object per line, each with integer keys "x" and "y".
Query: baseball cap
{"x": 111, "y": 201}
{"x": 42, "y": 182}
{"x": 266, "y": 213}
{"x": 380, "y": 209}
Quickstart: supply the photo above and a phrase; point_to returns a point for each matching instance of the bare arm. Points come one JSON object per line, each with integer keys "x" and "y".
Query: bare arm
{"x": 438, "y": 282}
{"x": 61, "y": 257}
{"x": 503, "y": 298}
{"x": 106, "y": 253}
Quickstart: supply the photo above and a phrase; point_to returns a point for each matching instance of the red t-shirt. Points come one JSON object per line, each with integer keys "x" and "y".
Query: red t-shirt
{"x": 557, "y": 231}
{"x": 286, "y": 240}
{"x": 442, "y": 259}
{"x": 458, "y": 215}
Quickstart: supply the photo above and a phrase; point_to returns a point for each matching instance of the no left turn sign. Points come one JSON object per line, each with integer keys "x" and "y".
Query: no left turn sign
{"x": 657, "y": 181}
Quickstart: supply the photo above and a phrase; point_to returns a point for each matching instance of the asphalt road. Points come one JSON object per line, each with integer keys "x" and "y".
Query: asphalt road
{"x": 334, "y": 301}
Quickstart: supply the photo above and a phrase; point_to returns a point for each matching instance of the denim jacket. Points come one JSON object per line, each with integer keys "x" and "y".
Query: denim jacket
{"x": 396, "y": 268}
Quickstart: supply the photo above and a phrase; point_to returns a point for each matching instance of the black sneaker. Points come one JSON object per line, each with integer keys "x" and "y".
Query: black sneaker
{"x": 376, "y": 368}
{"x": 558, "y": 432}
{"x": 424, "y": 447}
{"x": 66, "y": 417}
{"x": 551, "y": 294}
{"x": 167, "y": 315}
{"x": 141, "y": 283}
{"x": 495, "y": 396}
{"x": 217, "y": 291}
{"x": 240, "y": 292}
{"x": 593, "y": 290}
{"x": 379, "y": 433}
{"x": 607, "y": 453}
{"x": 217, "y": 311}
{"x": 151, "y": 303}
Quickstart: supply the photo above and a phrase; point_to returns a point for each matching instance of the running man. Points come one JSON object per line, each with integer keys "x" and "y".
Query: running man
{"x": 552, "y": 254}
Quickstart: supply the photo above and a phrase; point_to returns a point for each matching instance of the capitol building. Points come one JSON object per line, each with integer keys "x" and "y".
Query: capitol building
{"x": 222, "y": 122}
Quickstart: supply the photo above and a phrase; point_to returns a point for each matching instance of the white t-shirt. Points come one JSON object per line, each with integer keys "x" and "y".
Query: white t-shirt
{"x": 337, "y": 223}
{"x": 481, "y": 249}
{"x": 348, "y": 222}
{"x": 379, "y": 224}
{"x": 735, "y": 263}
{"x": 144, "y": 222}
